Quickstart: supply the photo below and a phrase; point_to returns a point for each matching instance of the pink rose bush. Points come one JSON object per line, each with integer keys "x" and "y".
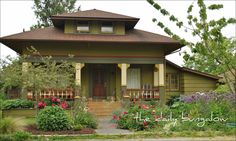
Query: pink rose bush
{"x": 53, "y": 101}
{"x": 138, "y": 117}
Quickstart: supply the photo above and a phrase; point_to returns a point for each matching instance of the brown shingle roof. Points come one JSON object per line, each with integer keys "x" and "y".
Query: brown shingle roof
{"x": 55, "y": 34}
{"x": 94, "y": 13}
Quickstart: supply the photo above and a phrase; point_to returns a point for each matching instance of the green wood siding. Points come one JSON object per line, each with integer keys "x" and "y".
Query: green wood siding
{"x": 95, "y": 27}
{"x": 118, "y": 83}
{"x": 119, "y": 28}
{"x": 196, "y": 83}
{"x": 94, "y": 50}
{"x": 85, "y": 81}
{"x": 147, "y": 74}
{"x": 70, "y": 27}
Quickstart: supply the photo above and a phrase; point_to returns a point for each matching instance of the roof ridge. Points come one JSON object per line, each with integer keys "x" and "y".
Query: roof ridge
{"x": 89, "y": 10}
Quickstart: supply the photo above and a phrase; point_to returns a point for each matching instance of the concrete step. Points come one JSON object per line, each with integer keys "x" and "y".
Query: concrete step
{"x": 103, "y": 108}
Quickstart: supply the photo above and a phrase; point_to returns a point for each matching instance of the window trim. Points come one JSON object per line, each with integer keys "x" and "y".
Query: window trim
{"x": 83, "y": 25}
{"x": 170, "y": 88}
{"x": 107, "y": 32}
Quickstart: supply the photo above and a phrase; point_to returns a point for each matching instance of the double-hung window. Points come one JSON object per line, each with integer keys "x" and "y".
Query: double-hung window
{"x": 172, "y": 81}
{"x": 83, "y": 27}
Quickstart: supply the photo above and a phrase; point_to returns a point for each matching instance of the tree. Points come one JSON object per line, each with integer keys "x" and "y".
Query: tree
{"x": 211, "y": 52}
{"x": 41, "y": 75}
{"x": 43, "y": 9}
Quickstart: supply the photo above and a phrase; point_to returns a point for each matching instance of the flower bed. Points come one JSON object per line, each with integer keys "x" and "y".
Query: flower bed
{"x": 198, "y": 112}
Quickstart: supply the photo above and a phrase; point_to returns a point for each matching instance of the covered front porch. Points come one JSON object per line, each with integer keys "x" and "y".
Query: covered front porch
{"x": 111, "y": 79}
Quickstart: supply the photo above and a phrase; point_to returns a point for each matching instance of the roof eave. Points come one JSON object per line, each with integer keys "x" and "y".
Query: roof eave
{"x": 201, "y": 73}
{"x": 193, "y": 71}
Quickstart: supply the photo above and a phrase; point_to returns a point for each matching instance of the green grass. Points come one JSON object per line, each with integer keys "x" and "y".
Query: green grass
{"x": 142, "y": 134}
{"x": 138, "y": 135}
{"x": 30, "y": 121}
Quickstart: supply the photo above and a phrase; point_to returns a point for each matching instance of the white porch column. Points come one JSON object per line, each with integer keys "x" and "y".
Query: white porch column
{"x": 159, "y": 81}
{"x": 161, "y": 75}
{"x": 78, "y": 67}
{"x": 123, "y": 68}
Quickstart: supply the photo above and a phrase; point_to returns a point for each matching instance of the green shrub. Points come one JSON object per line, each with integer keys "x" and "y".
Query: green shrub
{"x": 78, "y": 127}
{"x": 53, "y": 119}
{"x": 17, "y": 103}
{"x": 222, "y": 89}
{"x": 2, "y": 96}
{"x": 5, "y": 137}
{"x": 22, "y": 136}
{"x": 10, "y": 125}
{"x": 86, "y": 120}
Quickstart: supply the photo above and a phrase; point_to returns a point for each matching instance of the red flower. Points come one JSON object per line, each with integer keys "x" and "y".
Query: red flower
{"x": 125, "y": 113}
{"x": 145, "y": 107}
{"x": 114, "y": 116}
{"x": 58, "y": 100}
{"x": 41, "y": 105}
{"x": 53, "y": 105}
{"x": 64, "y": 105}
{"x": 145, "y": 123}
{"x": 54, "y": 99}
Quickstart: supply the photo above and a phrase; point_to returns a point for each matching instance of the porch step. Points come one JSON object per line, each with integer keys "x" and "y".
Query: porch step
{"x": 103, "y": 108}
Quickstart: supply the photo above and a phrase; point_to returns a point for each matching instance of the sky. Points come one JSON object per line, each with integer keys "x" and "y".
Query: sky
{"x": 17, "y": 15}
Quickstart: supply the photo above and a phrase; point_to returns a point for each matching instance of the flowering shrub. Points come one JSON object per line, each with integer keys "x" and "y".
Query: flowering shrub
{"x": 138, "y": 117}
{"x": 197, "y": 112}
{"x": 53, "y": 101}
{"x": 41, "y": 105}
{"x": 53, "y": 118}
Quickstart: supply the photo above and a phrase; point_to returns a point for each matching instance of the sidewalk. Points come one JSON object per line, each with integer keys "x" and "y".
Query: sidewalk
{"x": 172, "y": 139}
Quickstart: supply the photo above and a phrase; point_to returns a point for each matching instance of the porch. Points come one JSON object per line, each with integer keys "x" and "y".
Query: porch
{"x": 112, "y": 81}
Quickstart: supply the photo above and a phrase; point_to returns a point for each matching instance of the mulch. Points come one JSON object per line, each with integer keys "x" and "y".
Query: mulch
{"x": 33, "y": 129}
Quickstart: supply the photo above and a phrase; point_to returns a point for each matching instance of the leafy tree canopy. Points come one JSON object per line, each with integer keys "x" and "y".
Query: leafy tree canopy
{"x": 46, "y": 73}
{"x": 43, "y": 9}
{"x": 211, "y": 51}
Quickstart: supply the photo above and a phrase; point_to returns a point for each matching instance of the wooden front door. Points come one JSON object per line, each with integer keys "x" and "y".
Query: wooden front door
{"x": 99, "y": 83}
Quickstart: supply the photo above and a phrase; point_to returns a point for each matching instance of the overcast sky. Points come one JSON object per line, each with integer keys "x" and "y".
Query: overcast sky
{"x": 17, "y": 15}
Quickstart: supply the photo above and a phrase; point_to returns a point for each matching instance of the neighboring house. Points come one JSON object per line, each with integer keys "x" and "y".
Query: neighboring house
{"x": 112, "y": 58}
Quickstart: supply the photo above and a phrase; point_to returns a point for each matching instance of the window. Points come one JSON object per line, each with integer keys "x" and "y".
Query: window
{"x": 133, "y": 78}
{"x": 107, "y": 27}
{"x": 83, "y": 27}
{"x": 172, "y": 81}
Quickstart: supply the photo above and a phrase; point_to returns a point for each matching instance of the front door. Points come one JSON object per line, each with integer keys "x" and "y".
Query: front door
{"x": 99, "y": 83}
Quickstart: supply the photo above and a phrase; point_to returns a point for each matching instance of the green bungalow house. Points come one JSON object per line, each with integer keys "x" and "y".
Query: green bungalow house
{"x": 113, "y": 59}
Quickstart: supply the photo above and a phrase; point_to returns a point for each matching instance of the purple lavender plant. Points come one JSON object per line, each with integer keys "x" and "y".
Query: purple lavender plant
{"x": 210, "y": 97}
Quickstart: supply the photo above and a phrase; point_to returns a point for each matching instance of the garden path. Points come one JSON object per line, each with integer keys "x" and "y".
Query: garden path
{"x": 105, "y": 127}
